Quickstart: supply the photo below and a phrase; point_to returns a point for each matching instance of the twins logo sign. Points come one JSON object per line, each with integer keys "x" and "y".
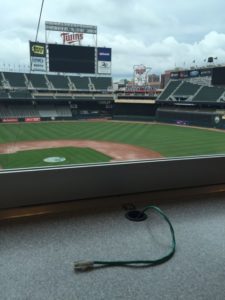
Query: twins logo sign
{"x": 71, "y": 38}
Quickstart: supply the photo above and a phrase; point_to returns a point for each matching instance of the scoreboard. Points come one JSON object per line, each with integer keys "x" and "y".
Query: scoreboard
{"x": 71, "y": 59}
{"x": 218, "y": 76}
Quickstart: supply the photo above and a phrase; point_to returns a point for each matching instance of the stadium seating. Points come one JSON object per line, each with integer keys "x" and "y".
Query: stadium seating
{"x": 208, "y": 94}
{"x": 47, "y": 110}
{"x": 81, "y": 83}
{"x": 16, "y": 80}
{"x": 52, "y": 110}
{"x": 170, "y": 88}
{"x": 24, "y": 110}
{"x": 20, "y": 94}
{"x": 58, "y": 82}
{"x": 18, "y": 111}
{"x": 186, "y": 89}
{"x": 3, "y": 111}
{"x": 3, "y": 94}
{"x": 102, "y": 83}
{"x": 38, "y": 81}
{"x": 63, "y": 111}
{"x": 48, "y": 96}
{"x": 37, "y": 110}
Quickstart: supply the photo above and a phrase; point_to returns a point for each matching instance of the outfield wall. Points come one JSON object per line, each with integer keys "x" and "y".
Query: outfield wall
{"x": 199, "y": 115}
{"x": 196, "y": 117}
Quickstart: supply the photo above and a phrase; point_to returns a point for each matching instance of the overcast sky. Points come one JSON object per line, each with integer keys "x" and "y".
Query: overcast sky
{"x": 160, "y": 34}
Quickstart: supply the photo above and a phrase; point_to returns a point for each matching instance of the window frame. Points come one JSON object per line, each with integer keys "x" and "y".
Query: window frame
{"x": 27, "y": 187}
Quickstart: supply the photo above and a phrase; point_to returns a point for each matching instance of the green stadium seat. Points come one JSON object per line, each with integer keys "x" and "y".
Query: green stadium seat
{"x": 16, "y": 80}
{"x": 208, "y": 94}
{"x": 172, "y": 85}
{"x": 59, "y": 82}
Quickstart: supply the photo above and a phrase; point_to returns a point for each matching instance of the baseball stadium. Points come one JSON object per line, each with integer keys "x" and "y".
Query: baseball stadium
{"x": 80, "y": 154}
{"x": 67, "y": 111}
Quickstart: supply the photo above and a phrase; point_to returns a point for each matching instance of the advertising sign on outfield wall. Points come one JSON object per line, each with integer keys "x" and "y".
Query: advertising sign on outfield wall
{"x": 10, "y": 120}
{"x": 34, "y": 119}
{"x": 38, "y": 56}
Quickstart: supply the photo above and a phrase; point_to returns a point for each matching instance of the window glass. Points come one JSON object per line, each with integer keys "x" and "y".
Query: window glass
{"x": 144, "y": 81}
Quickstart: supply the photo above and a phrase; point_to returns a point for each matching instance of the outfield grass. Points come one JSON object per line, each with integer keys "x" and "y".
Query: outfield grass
{"x": 169, "y": 141}
{"x": 31, "y": 158}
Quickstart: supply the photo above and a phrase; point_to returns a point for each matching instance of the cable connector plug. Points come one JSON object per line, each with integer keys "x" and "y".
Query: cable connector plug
{"x": 82, "y": 266}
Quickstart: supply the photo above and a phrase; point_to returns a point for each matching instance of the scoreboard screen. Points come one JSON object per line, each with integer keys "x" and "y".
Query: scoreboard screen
{"x": 71, "y": 59}
{"x": 218, "y": 76}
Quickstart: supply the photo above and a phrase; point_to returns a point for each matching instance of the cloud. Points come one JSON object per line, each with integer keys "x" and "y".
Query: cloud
{"x": 14, "y": 53}
{"x": 127, "y": 52}
{"x": 165, "y": 54}
{"x": 159, "y": 34}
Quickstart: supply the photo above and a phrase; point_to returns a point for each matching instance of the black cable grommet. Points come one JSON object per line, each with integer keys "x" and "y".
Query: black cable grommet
{"x": 136, "y": 215}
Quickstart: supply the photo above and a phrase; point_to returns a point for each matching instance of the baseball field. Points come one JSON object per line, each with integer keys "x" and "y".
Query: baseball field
{"x": 62, "y": 143}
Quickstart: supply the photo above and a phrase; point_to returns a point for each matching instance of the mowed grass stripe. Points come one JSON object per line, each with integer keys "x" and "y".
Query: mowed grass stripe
{"x": 35, "y": 158}
{"x": 165, "y": 139}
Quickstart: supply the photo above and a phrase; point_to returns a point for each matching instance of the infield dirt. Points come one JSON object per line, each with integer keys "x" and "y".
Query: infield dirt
{"x": 115, "y": 150}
